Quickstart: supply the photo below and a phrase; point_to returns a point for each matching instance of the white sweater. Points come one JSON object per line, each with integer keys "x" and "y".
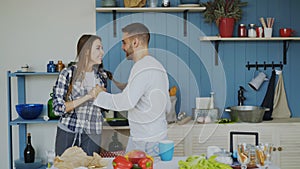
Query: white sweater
{"x": 146, "y": 98}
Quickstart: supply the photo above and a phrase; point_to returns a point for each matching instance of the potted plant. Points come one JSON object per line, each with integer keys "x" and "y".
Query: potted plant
{"x": 224, "y": 13}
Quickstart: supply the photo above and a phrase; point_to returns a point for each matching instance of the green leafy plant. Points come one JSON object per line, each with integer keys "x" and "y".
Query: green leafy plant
{"x": 217, "y": 9}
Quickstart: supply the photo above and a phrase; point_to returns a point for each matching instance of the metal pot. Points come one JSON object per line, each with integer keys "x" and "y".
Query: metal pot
{"x": 250, "y": 114}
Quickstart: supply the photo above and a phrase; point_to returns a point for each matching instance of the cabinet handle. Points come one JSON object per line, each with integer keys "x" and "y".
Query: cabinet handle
{"x": 274, "y": 148}
{"x": 279, "y": 148}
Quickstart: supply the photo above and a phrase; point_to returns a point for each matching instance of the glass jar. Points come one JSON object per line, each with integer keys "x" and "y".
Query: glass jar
{"x": 165, "y": 3}
{"x": 51, "y": 67}
{"x": 224, "y": 157}
{"x": 59, "y": 66}
{"x": 252, "y": 31}
{"x": 51, "y": 113}
{"x": 242, "y": 31}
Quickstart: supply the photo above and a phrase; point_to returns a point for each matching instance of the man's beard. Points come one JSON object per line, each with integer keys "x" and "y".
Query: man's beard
{"x": 129, "y": 53}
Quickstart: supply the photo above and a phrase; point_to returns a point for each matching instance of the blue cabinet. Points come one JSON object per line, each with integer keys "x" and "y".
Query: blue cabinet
{"x": 21, "y": 98}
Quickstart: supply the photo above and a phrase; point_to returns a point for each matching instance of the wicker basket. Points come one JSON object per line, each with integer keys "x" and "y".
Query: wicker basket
{"x": 134, "y": 3}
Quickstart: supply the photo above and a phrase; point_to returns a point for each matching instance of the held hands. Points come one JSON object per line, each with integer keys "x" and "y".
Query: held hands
{"x": 95, "y": 91}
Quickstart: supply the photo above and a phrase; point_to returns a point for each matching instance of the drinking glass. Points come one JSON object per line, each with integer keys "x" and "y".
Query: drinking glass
{"x": 243, "y": 152}
{"x": 263, "y": 154}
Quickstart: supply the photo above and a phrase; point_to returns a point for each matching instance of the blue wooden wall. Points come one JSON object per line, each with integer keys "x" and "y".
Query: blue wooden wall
{"x": 190, "y": 62}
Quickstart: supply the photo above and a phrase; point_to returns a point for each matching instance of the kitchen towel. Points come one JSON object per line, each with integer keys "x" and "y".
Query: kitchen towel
{"x": 269, "y": 97}
{"x": 281, "y": 108}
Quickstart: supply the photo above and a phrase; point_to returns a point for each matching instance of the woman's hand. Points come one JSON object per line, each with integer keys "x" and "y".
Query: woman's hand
{"x": 95, "y": 91}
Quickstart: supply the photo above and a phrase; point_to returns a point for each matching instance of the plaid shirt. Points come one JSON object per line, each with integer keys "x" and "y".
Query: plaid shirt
{"x": 86, "y": 118}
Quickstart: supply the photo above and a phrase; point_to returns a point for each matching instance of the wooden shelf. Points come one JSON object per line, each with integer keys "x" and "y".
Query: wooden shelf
{"x": 115, "y": 127}
{"x": 217, "y": 39}
{"x": 145, "y": 9}
{"x": 32, "y": 74}
{"x": 185, "y": 10}
{"x": 19, "y": 120}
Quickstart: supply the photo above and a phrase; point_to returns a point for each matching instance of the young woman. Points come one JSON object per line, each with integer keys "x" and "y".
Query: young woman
{"x": 81, "y": 122}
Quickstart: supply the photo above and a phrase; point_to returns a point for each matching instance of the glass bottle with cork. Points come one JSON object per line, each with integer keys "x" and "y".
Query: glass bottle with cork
{"x": 51, "y": 67}
{"x": 59, "y": 66}
{"x": 115, "y": 145}
{"x": 51, "y": 113}
{"x": 29, "y": 153}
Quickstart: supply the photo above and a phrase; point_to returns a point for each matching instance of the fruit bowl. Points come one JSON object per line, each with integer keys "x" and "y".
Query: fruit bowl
{"x": 29, "y": 111}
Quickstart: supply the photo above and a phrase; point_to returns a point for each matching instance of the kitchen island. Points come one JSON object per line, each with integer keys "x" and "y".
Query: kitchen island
{"x": 194, "y": 138}
{"x": 170, "y": 164}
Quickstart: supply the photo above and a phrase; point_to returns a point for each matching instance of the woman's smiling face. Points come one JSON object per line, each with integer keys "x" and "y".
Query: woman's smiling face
{"x": 97, "y": 52}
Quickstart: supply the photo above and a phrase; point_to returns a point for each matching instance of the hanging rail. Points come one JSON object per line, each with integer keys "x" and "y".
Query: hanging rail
{"x": 264, "y": 65}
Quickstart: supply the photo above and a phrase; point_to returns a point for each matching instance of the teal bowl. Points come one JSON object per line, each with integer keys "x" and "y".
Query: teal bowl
{"x": 29, "y": 111}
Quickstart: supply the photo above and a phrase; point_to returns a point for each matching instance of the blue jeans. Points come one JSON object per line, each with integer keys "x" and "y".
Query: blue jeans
{"x": 88, "y": 142}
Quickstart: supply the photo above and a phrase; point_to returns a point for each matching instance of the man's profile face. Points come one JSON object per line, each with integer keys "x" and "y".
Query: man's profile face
{"x": 127, "y": 46}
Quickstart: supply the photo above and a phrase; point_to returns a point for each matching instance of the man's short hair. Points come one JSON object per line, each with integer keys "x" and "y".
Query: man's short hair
{"x": 137, "y": 30}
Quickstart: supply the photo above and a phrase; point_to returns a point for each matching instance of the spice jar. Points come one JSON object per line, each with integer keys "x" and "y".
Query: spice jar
{"x": 51, "y": 67}
{"x": 59, "y": 66}
{"x": 251, "y": 31}
{"x": 242, "y": 31}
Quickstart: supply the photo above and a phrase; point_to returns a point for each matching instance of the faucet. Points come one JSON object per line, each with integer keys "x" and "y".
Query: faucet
{"x": 241, "y": 97}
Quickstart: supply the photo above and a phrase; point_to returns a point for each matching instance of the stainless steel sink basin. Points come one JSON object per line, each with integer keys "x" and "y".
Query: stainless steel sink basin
{"x": 250, "y": 114}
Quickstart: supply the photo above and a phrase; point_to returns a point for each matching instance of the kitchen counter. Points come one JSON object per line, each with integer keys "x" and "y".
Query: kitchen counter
{"x": 170, "y": 164}
{"x": 194, "y": 123}
{"x": 289, "y": 120}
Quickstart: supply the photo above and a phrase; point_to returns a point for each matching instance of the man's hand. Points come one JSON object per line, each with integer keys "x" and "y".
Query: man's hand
{"x": 95, "y": 91}
{"x": 109, "y": 75}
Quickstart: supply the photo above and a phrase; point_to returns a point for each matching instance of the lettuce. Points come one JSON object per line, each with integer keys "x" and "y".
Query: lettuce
{"x": 200, "y": 162}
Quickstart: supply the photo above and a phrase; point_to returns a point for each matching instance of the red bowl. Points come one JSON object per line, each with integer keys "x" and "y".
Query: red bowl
{"x": 286, "y": 32}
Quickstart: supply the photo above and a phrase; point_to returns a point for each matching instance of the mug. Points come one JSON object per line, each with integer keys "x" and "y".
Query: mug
{"x": 256, "y": 82}
{"x": 152, "y": 3}
{"x": 268, "y": 32}
{"x": 259, "y": 32}
{"x": 166, "y": 150}
{"x": 286, "y": 32}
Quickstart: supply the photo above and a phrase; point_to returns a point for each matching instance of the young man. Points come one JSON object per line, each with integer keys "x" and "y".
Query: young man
{"x": 145, "y": 96}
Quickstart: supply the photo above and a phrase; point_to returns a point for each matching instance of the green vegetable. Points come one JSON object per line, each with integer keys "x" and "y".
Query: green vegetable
{"x": 200, "y": 162}
{"x": 221, "y": 121}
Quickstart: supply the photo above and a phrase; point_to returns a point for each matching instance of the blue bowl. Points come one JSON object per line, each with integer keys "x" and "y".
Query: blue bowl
{"x": 29, "y": 111}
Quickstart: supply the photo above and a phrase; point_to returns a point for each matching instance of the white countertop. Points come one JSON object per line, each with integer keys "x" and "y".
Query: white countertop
{"x": 158, "y": 164}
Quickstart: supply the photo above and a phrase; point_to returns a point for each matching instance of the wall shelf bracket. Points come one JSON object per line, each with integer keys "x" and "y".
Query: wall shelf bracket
{"x": 185, "y": 13}
{"x": 286, "y": 45}
{"x": 114, "y": 22}
{"x": 217, "y": 52}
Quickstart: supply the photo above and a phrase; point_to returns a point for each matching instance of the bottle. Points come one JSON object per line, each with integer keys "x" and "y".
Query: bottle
{"x": 212, "y": 105}
{"x": 242, "y": 31}
{"x": 115, "y": 145}
{"x": 51, "y": 67}
{"x": 29, "y": 151}
{"x": 252, "y": 31}
{"x": 51, "y": 113}
{"x": 165, "y": 3}
{"x": 59, "y": 66}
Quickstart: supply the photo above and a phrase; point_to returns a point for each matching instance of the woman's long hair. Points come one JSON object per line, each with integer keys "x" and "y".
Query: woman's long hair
{"x": 84, "y": 47}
